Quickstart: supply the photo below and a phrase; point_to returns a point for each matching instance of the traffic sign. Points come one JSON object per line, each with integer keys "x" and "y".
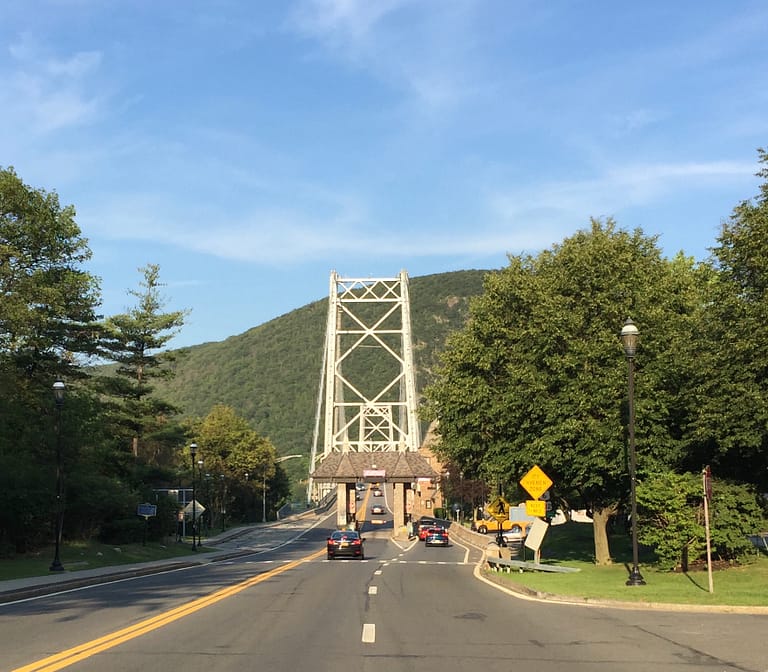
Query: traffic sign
{"x": 146, "y": 510}
{"x": 536, "y": 507}
{"x": 536, "y": 482}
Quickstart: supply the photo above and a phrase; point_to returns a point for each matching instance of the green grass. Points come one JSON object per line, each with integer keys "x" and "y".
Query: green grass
{"x": 88, "y": 555}
{"x": 572, "y": 545}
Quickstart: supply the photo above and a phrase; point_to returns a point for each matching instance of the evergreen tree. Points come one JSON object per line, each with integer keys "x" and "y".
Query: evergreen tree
{"x": 134, "y": 341}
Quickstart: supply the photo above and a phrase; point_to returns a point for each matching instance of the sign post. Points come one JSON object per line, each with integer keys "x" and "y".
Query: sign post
{"x": 147, "y": 511}
{"x": 706, "y": 476}
{"x": 536, "y": 483}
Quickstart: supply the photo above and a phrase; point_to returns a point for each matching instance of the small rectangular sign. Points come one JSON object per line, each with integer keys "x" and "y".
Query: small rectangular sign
{"x": 147, "y": 510}
{"x": 536, "y": 507}
{"x": 374, "y": 473}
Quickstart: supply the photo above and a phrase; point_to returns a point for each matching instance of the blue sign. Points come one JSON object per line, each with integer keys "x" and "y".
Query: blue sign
{"x": 147, "y": 510}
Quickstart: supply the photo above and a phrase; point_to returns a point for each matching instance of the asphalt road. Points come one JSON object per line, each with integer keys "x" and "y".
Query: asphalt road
{"x": 406, "y": 607}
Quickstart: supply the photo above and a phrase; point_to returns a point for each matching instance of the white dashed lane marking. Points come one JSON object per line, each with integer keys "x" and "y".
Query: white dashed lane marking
{"x": 369, "y": 633}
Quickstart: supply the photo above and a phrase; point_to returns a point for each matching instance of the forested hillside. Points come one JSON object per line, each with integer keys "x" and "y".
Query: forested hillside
{"x": 271, "y": 374}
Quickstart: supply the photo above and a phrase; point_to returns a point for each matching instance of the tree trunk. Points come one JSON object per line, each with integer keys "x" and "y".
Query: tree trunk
{"x": 600, "y": 518}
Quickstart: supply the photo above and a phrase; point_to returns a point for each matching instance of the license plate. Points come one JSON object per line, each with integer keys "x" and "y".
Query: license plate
{"x": 344, "y": 544}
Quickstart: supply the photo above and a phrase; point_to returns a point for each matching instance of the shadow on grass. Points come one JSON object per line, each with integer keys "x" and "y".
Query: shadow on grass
{"x": 696, "y": 583}
{"x": 575, "y": 542}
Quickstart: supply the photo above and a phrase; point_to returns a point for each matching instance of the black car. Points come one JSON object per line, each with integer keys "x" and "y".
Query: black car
{"x": 345, "y": 543}
{"x": 436, "y": 536}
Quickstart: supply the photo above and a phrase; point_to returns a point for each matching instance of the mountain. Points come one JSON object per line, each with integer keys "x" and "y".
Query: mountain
{"x": 271, "y": 374}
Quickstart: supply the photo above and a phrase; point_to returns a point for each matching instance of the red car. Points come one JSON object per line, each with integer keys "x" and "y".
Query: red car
{"x": 345, "y": 543}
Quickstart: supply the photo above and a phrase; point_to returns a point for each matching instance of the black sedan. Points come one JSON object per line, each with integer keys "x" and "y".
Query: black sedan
{"x": 345, "y": 543}
{"x": 436, "y": 536}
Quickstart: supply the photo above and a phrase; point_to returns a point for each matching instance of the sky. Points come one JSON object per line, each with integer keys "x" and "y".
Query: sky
{"x": 251, "y": 147}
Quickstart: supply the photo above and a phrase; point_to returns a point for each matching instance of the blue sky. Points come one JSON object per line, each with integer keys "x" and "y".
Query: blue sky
{"x": 250, "y": 147}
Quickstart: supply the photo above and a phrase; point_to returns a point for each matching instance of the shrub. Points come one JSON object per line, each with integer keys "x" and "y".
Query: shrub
{"x": 122, "y": 531}
{"x": 671, "y": 518}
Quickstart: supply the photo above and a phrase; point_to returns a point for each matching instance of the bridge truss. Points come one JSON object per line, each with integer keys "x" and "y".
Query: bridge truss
{"x": 367, "y": 397}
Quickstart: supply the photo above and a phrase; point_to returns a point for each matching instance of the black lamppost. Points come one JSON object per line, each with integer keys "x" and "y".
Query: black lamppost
{"x": 58, "y": 395}
{"x": 200, "y": 531}
{"x": 264, "y": 496}
{"x": 193, "y": 452}
{"x": 629, "y": 337}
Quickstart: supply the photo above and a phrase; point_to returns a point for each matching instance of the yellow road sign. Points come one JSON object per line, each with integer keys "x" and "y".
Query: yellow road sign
{"x": 536, "y": 507}
{"x": 499, "y": 507}
{"x": 536, "y": 482}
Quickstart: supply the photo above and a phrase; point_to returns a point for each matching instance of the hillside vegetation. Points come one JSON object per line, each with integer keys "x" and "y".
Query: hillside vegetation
{"x": 271, "y": 374}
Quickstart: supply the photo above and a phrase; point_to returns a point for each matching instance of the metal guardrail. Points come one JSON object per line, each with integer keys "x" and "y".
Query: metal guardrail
{"x": 522, "y": 565}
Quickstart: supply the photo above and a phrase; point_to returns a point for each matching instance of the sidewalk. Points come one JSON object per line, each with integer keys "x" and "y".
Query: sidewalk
{"x": 34, "y": 586}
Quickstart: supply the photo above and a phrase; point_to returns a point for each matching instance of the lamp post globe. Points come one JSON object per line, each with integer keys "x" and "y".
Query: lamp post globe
{"x": 193, "y": 452}
{"x": 58, "y": 396}
{"x": 629, "y": 339}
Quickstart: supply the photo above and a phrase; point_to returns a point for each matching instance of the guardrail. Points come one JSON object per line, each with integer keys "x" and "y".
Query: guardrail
{"x": 496, "y": 558}
{"x": 508, "y": 565}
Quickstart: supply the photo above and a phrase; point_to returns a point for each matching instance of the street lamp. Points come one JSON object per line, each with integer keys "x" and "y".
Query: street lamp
{"x": 200, "y": 531}
{"x": 58, "y": 395}
{"x": 629, "y": 337}
{"x": 193, "y": 452}
{"x": 264, "y": 486}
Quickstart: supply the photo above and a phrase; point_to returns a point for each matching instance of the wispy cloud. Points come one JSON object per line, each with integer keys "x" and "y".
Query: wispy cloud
{"x": 49, "y": 93}
{"x": 573, "y": 202}
{"x": 423, "y": 49}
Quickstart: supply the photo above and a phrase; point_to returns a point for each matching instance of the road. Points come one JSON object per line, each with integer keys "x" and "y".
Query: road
{"x": 406, "y": 607}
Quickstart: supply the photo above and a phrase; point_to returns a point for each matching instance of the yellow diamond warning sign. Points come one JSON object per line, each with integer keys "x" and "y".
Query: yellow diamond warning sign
{"x": 536, "y": 482}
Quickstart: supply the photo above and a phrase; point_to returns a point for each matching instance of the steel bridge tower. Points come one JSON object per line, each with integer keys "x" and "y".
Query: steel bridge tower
{"x": 367, "y": 395}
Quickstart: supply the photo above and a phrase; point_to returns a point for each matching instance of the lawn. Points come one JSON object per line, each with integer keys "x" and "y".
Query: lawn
{"x": 78, "y": 556}
{"x": 571, "y": 545}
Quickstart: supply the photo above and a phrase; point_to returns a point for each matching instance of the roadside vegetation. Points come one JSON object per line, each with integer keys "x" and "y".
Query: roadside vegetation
{"x": 78, "y": 556}
{"x": 539, "y": 376}
{"x": 517, "y": 367}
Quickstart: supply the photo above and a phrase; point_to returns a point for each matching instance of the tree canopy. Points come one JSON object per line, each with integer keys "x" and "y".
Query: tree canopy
{"x": 538, "y": 376}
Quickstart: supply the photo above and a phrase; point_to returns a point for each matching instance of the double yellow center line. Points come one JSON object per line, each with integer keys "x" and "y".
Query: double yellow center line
{"x": 66, "y": 658}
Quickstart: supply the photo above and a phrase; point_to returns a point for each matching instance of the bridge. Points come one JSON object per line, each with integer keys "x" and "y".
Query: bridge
{"x": 369, "y": 424}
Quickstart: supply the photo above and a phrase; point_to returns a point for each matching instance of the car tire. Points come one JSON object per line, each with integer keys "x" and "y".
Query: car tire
{"x": 482, "y": 529}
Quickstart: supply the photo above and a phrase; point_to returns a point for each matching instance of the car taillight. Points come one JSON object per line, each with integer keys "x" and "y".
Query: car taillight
{"x": 356, "y": 542}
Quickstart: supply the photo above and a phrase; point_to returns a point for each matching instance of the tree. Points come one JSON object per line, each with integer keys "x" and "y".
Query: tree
{"x": 671, "y": 511}
{"x": 235, "y": 456}
{"x": 47, "y": 321}
{"x": 49, "y": 301}
{"x": 731, "y": 427}
{"x": 134, "y": 340}
{"x": 539, "y": 375}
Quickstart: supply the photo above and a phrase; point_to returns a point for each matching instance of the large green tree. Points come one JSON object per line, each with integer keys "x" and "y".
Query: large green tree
{"x": 236, "y": 459}
{"x": 47, "y": 317}
{"x": 731, "y": 429}
{"x": 135, "y": 341}
{"x": 539, "y": 375}
{"x": 49, "y": 300}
